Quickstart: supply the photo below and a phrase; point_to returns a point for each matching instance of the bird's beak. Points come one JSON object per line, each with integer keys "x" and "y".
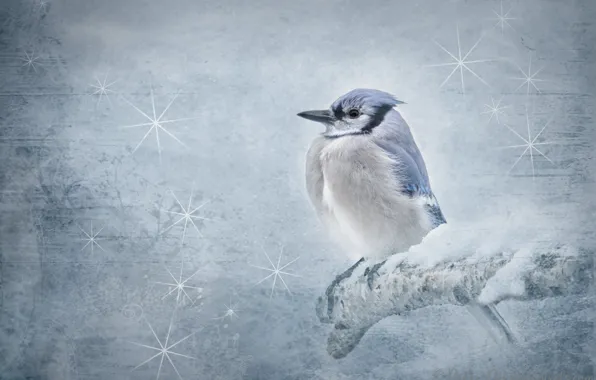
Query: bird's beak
{"x": 324, "y": 116}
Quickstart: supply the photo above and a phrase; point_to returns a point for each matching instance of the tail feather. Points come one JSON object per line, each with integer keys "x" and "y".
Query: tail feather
{"x": 490, "y": 318}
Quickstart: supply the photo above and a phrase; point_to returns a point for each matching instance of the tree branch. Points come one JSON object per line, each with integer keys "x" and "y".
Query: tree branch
{"x": 368, "y": 292}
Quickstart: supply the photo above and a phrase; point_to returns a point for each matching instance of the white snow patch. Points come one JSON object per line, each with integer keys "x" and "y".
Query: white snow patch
{"x": 508, "y": 281}
{"x": 514, "y": 237}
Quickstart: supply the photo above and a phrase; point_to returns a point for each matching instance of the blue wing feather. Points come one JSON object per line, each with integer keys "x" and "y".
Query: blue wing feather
{"x": 432, "y": 206}
{"x": 435, "y": 212}
{"x": 410, "y": 169}
{"x": 415, "y": 182}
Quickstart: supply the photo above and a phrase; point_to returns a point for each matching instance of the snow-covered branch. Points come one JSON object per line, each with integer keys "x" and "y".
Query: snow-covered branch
{"x": 451, "y": 266}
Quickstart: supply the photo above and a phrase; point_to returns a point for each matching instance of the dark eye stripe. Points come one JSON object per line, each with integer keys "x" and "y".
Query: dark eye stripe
{"x": 339, "y": 114}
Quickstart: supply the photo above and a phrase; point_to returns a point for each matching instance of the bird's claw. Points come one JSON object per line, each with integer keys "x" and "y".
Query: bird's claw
{"x": 371, "y": 272}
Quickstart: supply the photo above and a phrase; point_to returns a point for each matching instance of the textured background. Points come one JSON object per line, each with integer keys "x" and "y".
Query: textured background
{"x": 79, "y": 80}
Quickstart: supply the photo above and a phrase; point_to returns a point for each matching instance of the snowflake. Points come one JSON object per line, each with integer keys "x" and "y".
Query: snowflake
{"x": 31, "y": 60}
{"x": 164, "y": 350}
{"x": 494, "y": 110}
{"x": 156, "y": 124}
{"x": 91, "y": 238}
{"x": 529, "y": 144}
{"x": 187, "y": 215}
{"x": 529, "y": 78}
{"x": 180, "y": 286}
{"x": 503, "y": 19}
{"x": 460, "y": 62}
{"x": 276, "y": 272}
{"x": 102, "y": 88}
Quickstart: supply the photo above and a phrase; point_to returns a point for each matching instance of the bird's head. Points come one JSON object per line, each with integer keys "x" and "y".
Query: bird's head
{"x": 355, "y": 113}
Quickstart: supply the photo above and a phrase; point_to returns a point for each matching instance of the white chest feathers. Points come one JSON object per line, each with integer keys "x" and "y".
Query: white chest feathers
{"x": 366, "y": 212}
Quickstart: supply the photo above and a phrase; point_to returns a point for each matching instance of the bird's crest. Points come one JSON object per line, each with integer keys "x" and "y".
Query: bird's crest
{"x": 366, "y": 98}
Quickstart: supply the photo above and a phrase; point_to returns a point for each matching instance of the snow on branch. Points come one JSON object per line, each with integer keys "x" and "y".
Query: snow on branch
{"x": 451, "y": 266}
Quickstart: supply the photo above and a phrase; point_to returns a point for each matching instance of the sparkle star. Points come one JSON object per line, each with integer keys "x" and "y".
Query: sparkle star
{"x": 187, "y": 215}
{"x": 91, "y": 238}
{"x": 43, "y": 4}
{"x": 102, "y": 88}
{"x": 529, "y": 79}
{"x": 179, "y": 285}
{"x": 494, "y": 110}
{"x": 30, "y": 61}
{"x": 503, "y": 18}
{"x": 231, "y": 310}
{"x": 460, "y": 62}
{"x": 529, "y": 145}
{"x": 156, "y": 124}
{"x": 276, "y": 272}
{"x": 164, "y": 350}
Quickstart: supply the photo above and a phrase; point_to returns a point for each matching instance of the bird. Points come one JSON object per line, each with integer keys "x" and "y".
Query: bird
{"x": 368, "y": 183}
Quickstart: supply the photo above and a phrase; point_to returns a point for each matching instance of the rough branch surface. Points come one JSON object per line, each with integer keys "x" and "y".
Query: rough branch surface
{"x": 368, "y": 292}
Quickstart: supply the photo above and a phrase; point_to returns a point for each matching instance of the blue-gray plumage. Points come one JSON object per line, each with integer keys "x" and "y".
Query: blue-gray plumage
{"x": 367, "y": 178}
{"x": 368, "y": 182}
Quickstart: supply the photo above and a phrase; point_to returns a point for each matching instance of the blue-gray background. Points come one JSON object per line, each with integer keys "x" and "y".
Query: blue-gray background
{"x": 241, "y": 71}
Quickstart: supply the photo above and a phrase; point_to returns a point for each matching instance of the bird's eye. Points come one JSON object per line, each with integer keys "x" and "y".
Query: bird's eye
{"x": 353, "y": 113}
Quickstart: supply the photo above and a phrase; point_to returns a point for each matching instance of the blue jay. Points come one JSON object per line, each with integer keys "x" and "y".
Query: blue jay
{"x": 368, "y": 181}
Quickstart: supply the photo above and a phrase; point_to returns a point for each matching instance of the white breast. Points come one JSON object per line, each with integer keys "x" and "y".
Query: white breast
{"x": 343, "y": 224}
{"x": 365, "y": 210}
